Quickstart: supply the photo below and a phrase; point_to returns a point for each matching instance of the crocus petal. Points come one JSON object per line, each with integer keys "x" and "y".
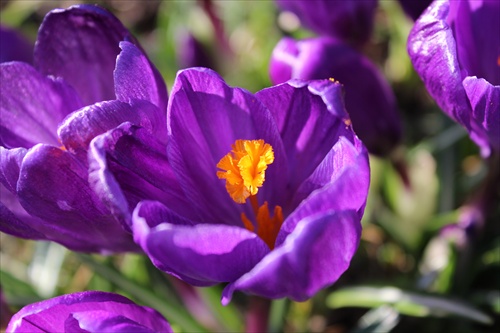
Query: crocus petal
{"x": 368, "y": 97}
{"x": 10, "y": 163}
{"x": 56, "y": 314}
{"x": 82, "y": 126}
{"x": 32, "y": 105}
{"x": 127, "y": 165}
{"x": 433, "y": 51}
{"x": 314, "y": 256}
{"x": 203, "y": 254}
{"x": 156, "y": 213}
{"x": 53, "y": 186}
{"x": 14, "y": 220}
{"x": 344, "y": 175}
{"x": 14, "y": 47}
{"x": 80, "y": 44}
{"x": 309, "y": 116}
{"x": 352, "y": 21}
{"x": 104, "y": 321}
{"x": 137, "y": 78}
{"x": 476, "y": 29}
{"x": 485, "y": 102}
{"x": 205, "y": 117}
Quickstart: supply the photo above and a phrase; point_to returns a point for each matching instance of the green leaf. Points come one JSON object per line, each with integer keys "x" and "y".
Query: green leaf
{"x": 227, "y": 315}
{"x": 277, "y": 315}
{"x": 407, "y": 303}
{"x": 492, "y": 256}
{"x": 17, "y": 292}
{"x": 381, "y": 319}
{"x": 411, "y": 207}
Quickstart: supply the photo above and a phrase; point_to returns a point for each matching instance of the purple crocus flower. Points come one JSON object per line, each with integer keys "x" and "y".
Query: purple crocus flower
{"x": 88, "y": 311}
{"x": 368, "y": 97}
{"x": 265, "y": 191}
{"x": 348, "y": 20}
{"x": 455, "y": 48}
{"x": 44, "y": 186}
{"x": 14, "y": 46}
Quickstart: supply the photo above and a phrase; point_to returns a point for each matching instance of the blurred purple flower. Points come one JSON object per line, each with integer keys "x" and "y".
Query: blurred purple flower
{"x": 348, "y": 20}
{"x": 368, "y": 97}
{"x": 286, "y": 153}
{"x": 190, "y": 52}
{"x": 455, "y": 48}
{"x": 414, "y": 8}
{"x": 88, "y": 311}
{"x": 14, "y": 46}
{"x": 44, "y": 186}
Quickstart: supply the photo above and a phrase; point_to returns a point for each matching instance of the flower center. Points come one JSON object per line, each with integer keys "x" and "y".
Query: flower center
{"x": 244, "y": 169}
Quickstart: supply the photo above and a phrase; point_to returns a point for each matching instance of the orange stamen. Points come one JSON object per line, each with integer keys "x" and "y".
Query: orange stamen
{"x": 244, "y": 169}
{"x": 267, "y": 227}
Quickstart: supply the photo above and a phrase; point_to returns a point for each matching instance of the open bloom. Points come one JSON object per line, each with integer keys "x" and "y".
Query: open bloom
{"x": 368, "y": 97}
{"x": 88, "y": 311}
{"x": 455, "y": 48}
{"x": 350, "y": 21}
{"x": 263, "y": 191}
{"x": 44, "y": 186}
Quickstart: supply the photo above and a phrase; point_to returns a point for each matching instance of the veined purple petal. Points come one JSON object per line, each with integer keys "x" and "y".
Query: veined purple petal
{"x": 14, "y": 46}
{"x": 80, "y": 44}
{"x": 368, "y": 97}
{"x": 476, "y": 29}
{"x": 156, "y": 213}
{"x": 314, "y": 256}
{"x": 128, "y": 164}
{"x": 10, "y": 163}
{"x": 340, "y": 182}
{"x": 87, "y": 311}
{"x": 104, "y": 321}
{"x": 137, "y": 78}
{"x": 351, "y": 21}
{"x": 442, "y": 47}
{"x": 485, "y": 102}
{"x": 310, "y": 117}
{"x": 221, "y": 253}
{"x": 32, "y": 106}
{"x": 205, "y": 117}
{"x": 53, "y": 186}
{"x": 14, "y": 219}
{"x": 82, "y": 126}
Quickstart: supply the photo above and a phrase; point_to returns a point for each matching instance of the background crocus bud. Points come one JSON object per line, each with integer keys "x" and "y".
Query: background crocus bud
{"x": 351, "y": 21}
{"x": 454, "y": 47}
{"x": 14, "y": 46}
{"x": 190, "y": 52}
{"x": 368, "y": 97}
{"x": 88, "y": 311}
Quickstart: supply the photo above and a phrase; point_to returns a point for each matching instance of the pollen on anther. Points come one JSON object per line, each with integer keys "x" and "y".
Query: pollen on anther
{"x": 244, "y": 168}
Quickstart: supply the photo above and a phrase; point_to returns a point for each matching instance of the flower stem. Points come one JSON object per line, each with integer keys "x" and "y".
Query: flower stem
{"x": 257, "y": 316}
